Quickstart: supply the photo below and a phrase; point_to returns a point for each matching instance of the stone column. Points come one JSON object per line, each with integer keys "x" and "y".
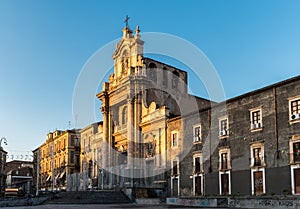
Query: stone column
{"x": 110, "y": 149}
{"x": 137, "y": 136}
{"x": 105, "y": 141}
{"x": 130, "y": 138}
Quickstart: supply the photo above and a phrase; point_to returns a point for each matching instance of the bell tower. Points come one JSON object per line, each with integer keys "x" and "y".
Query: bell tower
{"x": 121, "y": 108}
{"x": 128, "y": 54}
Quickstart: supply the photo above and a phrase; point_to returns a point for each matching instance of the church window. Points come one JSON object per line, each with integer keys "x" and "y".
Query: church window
{"x": 174, "y": 136}
{"x": 124, "y": 116}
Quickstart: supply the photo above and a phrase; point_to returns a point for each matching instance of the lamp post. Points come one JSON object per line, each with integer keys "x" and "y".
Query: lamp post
{"x": 4, "y": 141}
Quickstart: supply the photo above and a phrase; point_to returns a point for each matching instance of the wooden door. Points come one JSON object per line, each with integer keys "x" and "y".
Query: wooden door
{"x": 297, "y": 180}
{"x": 225, "y": 183}
{"x": 258, "y": 183}
{"x": 198, "y": 186}
{"x": 175, "y": 187}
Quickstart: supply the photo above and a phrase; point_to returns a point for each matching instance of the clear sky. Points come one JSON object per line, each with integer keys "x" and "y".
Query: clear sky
{"x": 44, "y": 45}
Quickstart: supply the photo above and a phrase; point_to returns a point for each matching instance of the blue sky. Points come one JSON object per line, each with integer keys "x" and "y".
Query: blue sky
{"x": 44, "y": 45}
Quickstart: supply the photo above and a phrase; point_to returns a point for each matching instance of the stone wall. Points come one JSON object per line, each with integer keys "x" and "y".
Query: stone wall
{"x": 274, "y": 136}
{"x": 245, "y": 202}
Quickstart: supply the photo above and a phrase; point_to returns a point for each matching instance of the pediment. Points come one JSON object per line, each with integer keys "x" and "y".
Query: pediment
{"x": 120, "y": 47}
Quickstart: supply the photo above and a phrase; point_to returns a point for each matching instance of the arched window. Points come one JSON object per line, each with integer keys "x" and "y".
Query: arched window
{"x": 124, "y": 116}
{"x": 153, "y": 72}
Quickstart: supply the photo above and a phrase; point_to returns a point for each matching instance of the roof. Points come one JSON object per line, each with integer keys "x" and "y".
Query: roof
{"x": 162, "y": 63}
{"x": 257, "y": 91}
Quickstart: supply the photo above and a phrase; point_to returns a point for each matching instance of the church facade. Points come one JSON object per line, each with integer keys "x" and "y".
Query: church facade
{"x": 141, "y": 96}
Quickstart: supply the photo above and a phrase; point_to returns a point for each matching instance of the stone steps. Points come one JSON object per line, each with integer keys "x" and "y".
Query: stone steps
{"x": 90, "y": 197}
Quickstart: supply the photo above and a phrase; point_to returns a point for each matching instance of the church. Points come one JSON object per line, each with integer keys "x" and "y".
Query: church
{"x": 139, "y": 102}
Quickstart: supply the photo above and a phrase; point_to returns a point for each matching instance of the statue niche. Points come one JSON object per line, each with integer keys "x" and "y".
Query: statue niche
{"x": 125, "y": 63}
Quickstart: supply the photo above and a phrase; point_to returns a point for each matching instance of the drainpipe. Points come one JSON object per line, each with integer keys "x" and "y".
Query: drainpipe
{"x": 276, "y": 123}
{"x": 209, "y": 132}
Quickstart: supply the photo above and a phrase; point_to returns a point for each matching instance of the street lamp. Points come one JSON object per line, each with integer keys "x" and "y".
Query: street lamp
{"x": 2, "y": 164}
{"x": 4, "y": 141}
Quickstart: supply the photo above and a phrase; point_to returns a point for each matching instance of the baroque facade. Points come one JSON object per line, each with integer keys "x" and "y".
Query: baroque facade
{"x": 141, "y": 96}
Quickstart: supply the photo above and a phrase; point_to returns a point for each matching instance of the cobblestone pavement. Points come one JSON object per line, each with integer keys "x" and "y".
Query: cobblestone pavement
{"x": 99, "y": 206}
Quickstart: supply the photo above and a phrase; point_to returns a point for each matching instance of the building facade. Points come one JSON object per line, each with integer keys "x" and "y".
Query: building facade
{"x": 59, "y": 157}
{"x": 20, "y": 175}
{"x": 3, "y": 155}
{"x": 141, "y": 96}
{"x": 255, "y": 145}
{"x": 153, "y": 136}
{"x": 90, "y": 156}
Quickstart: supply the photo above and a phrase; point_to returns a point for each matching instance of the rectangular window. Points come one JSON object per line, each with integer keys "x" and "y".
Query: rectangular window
{"x": 223, "y": 127}
{"x": 295, "y": 106}
{"x": 197, "y": 133}
{"x": 77, "y": 162}
{"x": 197, "y": 165}
{"x": 175, "y": 168}
{"x": 224, "y": 161}
{"x": 257, "y": 155}
{"x": 256, "y": 118}
{"x": 296, "y": 152}
{"x": 72, "y": 140}
{"x": 72, "y": 157}
{"x": 295, "y": 109}
{"x": 174, "y": 139}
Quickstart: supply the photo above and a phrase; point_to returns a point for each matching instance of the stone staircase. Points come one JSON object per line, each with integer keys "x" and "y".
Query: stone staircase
{"x": 90, "y": 197}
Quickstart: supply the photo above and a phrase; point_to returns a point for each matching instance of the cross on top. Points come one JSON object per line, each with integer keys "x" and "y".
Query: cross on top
{"x": 126, "y": 21}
